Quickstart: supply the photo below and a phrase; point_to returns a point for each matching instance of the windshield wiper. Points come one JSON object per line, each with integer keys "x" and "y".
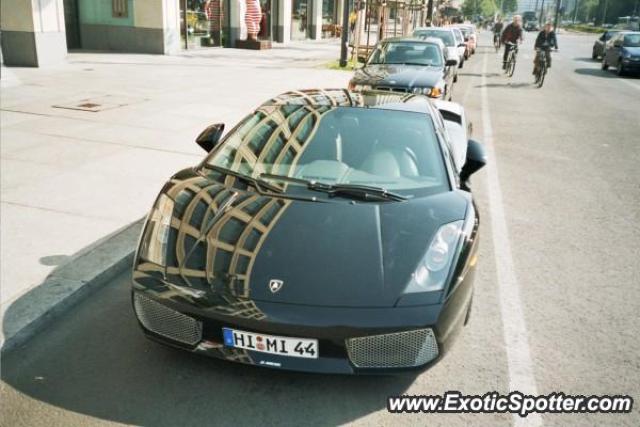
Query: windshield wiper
{"x": 363, "y": 192}
{"x": 259, "y": 184}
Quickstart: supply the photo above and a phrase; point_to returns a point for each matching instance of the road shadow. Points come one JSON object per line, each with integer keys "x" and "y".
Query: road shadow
{"x": 586, "y": 59}
{"x": 95, "y": 361}
{"x": 609, "y": 74}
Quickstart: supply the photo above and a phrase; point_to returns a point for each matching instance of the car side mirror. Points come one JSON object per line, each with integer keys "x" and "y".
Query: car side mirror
{"x": 451, "y": 62}
{"x": 476, "y": 159}
{"x": 209, "y": 137}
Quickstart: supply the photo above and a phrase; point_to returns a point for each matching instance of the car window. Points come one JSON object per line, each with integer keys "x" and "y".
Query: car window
{"x": 396, "y": 150}
{"x": 445, "y": 36}
{"x": 407, "y": 53}
{"x": 631, "y": 40}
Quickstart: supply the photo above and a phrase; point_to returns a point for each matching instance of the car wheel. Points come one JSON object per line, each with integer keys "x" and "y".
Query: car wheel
{"x": 619, "y": 68}
{"x": 605, "y": 66}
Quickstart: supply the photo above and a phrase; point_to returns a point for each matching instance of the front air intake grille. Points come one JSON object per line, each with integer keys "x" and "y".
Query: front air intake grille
{"x": 166, "y": 322}
{"x": 396, "y": 350}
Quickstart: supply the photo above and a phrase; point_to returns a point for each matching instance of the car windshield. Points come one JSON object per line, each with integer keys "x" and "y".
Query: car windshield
{"x": 610, "y": 34}
{"x": 445, "y": 36}
{"x": 414, "y": 53}
{"x": 631, "y": 40}
{"x": 389, "y": 149}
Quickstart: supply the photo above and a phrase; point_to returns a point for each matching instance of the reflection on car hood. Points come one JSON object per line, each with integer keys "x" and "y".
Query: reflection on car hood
{"x": 326, "y": 254}
{"x": 399, "y": 75}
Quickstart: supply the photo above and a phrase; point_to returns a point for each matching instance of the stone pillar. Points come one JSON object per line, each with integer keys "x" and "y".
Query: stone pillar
{"x": 33, "y": 33}
{"x": 283, "y": 30}
{"x": 315, "y": 17}
{"x": 157, "y": 26}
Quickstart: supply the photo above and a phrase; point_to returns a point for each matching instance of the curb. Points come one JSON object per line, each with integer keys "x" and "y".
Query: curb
{"x": 68, "y": 284}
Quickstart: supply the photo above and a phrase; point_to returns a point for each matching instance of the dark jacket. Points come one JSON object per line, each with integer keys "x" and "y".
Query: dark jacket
{"x": 511, "y": 34}
{"x": 548, "y": 39}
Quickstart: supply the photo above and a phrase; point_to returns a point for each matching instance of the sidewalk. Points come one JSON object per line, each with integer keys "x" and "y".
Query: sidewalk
{"x": 70, "y": 177}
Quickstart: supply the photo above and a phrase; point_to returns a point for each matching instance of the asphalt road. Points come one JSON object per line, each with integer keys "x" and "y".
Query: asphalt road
{"x": 556, "y": 301}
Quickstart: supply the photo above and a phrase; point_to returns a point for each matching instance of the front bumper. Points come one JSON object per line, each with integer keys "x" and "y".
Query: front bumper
{"x": 331, "y": 326}
{"x": 632, "y": 65}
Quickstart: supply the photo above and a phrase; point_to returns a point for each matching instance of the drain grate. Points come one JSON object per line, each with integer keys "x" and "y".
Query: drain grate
{"x": 100, "y": 103}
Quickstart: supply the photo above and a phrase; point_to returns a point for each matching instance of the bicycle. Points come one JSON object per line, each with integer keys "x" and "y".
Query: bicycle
{"x": 496, "y": 41}
{"x": 542, "y": 66}
{"x": 511, "y": 59}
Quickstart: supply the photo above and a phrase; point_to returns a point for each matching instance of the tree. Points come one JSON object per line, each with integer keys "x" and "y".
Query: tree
{"x": 509, "y": 6}
{"x": 486, "y": 8}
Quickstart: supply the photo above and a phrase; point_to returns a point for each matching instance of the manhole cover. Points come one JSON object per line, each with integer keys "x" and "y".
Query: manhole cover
{"x": 100, "y": 103}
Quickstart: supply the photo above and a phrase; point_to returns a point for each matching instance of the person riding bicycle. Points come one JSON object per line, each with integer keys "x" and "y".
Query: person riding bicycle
{"x": 497, "y": 30}
{"x": 511, "y": 35}
{"x": 545, "y": 41}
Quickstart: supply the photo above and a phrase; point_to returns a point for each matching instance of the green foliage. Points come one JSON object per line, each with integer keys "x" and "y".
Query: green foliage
{"x": 485, "y": 8}
{"x": 509, "y": 6}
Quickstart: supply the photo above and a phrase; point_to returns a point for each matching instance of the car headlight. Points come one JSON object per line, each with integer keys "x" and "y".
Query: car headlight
{"x": 421, "y": 90}
{"x": 153, "y": 246}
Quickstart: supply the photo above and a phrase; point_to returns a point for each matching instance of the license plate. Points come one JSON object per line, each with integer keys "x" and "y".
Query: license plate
{"x": 272, "y": 344}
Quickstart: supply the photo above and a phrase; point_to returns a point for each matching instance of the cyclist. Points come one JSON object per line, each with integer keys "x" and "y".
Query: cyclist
{"x": 545, "y": 41}
{"x": 497, "y": 29}
{"x": 511, "y": 35}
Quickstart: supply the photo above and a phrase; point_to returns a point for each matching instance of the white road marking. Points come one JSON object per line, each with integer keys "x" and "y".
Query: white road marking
{"x": 521, "y": 377}
{"x": 633, "y": 85}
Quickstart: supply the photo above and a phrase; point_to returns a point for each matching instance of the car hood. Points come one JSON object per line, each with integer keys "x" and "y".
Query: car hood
{"x": 325, "y": 254}
{"x": 398, "y": 75}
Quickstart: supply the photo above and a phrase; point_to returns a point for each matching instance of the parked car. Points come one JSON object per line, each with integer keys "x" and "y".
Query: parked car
{"x": 407, "y": 65}
{"x": 470, "y": 37}
{"x": 458, "y": 129}
{"x": 599, "y": 44}
{"x": 328, "y": 232}
{"x": 448, "y": 38}
{"x": 623, "y": 52}
{"x": 463, "y": 49}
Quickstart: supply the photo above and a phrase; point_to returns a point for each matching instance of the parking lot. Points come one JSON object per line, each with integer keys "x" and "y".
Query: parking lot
{"x": 556, "y": 298}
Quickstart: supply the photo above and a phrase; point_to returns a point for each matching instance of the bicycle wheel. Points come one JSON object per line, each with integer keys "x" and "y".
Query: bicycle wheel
{"x": 511, "y": 66}
{"x": 541, "y": 73}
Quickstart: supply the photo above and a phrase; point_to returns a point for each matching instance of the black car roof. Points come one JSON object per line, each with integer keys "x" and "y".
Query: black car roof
{"x": 345, "y": 98}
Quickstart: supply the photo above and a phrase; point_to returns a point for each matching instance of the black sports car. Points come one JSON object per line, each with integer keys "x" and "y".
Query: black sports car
{"x": 412, "y": 65}
{"x": 329, "y": 231}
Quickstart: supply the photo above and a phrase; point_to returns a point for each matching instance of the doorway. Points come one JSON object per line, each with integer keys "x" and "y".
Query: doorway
{"x": 72, "y": 24}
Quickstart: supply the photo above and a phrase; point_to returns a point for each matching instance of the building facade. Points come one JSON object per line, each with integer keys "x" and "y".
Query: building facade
{"x": 38, "y": 33}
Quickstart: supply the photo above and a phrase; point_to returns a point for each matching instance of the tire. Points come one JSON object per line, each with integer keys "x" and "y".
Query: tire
{"x": 541, "y": 74}
{"x": 511, "y": 67}
{"x": 619, "y": 68}
{"x": 605, "y": 66}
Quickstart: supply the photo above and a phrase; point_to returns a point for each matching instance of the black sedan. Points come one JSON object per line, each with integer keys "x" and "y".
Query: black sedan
{"x": 601, "y": 42}
{"x": 410, "y": 65}
{"x": 327, "y": 232}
